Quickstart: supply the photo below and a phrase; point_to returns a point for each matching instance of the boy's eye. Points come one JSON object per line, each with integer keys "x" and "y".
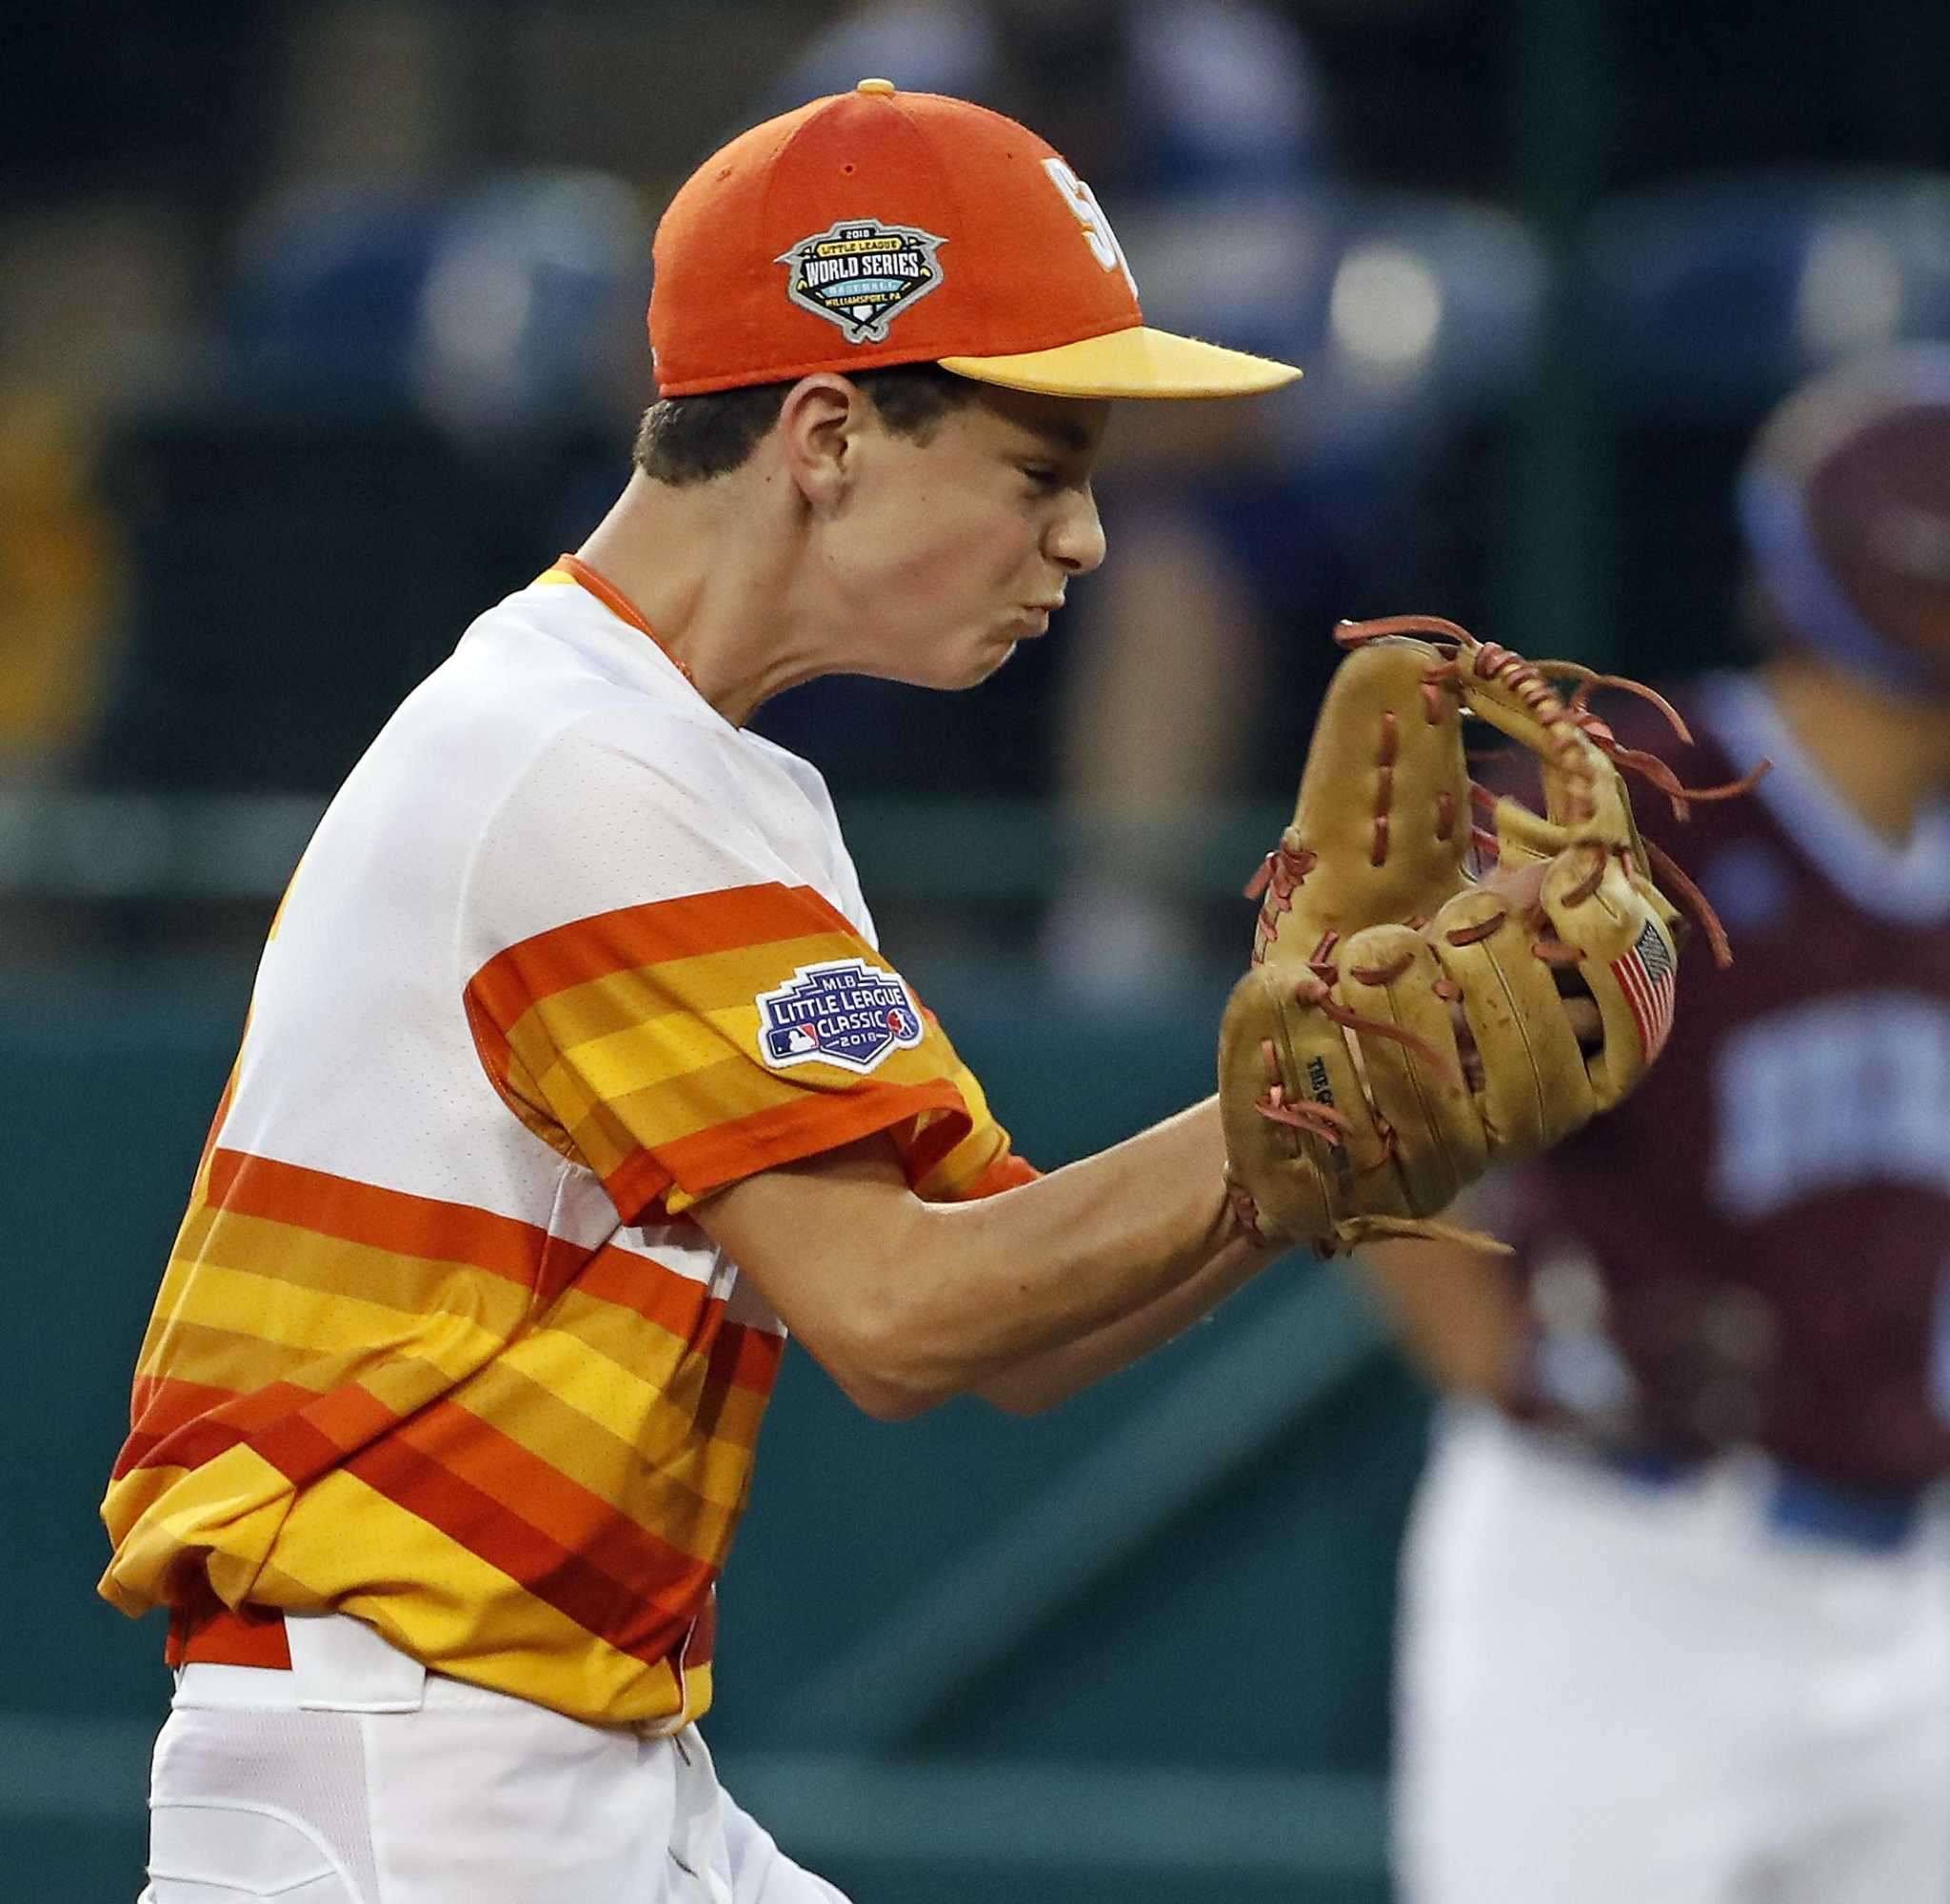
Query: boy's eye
{"x": 1042, "y": 475}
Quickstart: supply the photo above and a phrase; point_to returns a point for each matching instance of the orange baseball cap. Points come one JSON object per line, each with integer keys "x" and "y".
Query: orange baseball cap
{"x": 879, "y": 227}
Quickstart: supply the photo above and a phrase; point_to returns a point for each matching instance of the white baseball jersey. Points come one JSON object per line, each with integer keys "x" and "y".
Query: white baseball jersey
{"x": 438, "y": 1345}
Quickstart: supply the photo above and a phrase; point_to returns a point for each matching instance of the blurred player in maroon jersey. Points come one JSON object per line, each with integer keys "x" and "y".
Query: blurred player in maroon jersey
{"x": 1676, "y": 1616}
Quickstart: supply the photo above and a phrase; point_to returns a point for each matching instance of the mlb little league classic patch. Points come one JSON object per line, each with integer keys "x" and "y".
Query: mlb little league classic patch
{"x": 862, "y": 274}
{"x": 842, "y": 1011}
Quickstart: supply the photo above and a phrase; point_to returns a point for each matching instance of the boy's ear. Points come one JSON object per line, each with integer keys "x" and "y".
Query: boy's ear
{"x": 820, "y": 424}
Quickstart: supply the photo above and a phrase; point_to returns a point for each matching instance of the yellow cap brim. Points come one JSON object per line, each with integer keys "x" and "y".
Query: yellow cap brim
{"x": 1135, "y": 362}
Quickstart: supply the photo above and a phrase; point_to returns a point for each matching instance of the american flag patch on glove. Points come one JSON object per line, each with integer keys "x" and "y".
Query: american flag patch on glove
{"x": 1646, "y": 976}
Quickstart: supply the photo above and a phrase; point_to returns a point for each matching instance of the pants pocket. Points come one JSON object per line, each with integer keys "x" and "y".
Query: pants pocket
{"x": 226, "y": 1854}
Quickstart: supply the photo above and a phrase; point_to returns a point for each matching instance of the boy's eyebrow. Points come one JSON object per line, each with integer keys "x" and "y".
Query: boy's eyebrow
{"x": 1066, "y": 433}
{"x": 1060, "y": 433}
{"x": 1063, "y": 429}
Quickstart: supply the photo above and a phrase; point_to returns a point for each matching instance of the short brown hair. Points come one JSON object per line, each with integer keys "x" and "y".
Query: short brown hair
{"x": 686, "y": 439}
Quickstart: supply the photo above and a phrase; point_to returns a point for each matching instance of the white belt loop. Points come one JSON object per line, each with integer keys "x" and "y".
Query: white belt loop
{"x": 340, "y": 1664}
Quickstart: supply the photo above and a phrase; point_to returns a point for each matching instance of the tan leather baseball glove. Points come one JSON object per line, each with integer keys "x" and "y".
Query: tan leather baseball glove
{"x": 1407, "y": 1021}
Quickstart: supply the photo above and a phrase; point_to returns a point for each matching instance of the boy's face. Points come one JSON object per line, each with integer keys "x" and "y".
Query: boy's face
{"x": 955, "y": 549}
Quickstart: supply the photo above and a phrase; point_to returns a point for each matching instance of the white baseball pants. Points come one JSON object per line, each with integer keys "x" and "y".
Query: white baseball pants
{"x": 357, "y": 1778}
{"x": 1620, "y": 1692}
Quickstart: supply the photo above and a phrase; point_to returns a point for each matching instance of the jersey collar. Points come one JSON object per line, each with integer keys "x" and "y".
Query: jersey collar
{"x": 618, "y": 605}
{"x": 1907, "y": 885}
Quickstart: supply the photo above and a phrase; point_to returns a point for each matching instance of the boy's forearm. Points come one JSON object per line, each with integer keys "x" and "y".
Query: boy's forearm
{"x": 1098, "y": 1244}
{"x": 1045, "y": 1378}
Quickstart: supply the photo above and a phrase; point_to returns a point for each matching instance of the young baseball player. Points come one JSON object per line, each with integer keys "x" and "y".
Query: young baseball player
{"x": 1677, "y": 1594}
{"x": 573, "y": 1076}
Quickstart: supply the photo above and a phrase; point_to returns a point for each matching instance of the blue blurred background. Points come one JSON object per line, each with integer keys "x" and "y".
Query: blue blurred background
{"x": 321, "y": 327}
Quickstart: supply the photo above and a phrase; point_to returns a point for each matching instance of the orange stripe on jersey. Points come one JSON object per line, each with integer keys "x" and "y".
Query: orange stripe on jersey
{"x": 673, "y": 1303}
{"x": 627, "y": 1588}
{"x": 209, "y": 1630}
{"x": 783, "y": 1133}
{"x": 552, "y": 1505}
{"x": 613, "y": 1005}
{"x": 688, "y": 1496}
{"x": 320, "y": 1436}
{"x": 631, "y": 935}
{"x": 204, "y": 1436}
{"x": 387, "y": 1220}
{"x": 182, "y": 1424}
{"x": 302, "y": 1434}
{"x": 163, "y": 1404}
{"x": 680, "y": 1306}
{"x": 1008, "y": 1172}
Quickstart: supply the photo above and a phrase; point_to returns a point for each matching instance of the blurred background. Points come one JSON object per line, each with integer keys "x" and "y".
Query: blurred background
{"x": 321, "y": 329}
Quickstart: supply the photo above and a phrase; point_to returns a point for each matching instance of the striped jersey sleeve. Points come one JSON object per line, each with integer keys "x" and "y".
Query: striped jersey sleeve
{"x": 728, "y": 1017}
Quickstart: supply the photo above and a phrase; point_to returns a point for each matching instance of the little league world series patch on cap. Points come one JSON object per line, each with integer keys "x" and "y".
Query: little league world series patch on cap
{"x": 861, "y": 273}
{"x": 880, "y": 226}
